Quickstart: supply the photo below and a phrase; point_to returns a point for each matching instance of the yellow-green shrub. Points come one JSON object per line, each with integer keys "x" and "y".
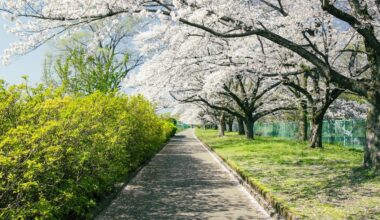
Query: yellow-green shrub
{"x": 9, "y": 106}
{"x": 63, "y": 153}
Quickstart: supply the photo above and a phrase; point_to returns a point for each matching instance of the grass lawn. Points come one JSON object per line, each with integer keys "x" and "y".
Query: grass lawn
{"x": 313, "y": 183}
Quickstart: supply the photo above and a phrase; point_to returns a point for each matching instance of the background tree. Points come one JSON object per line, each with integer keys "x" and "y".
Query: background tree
{"x": 81, "y": 73}
{"x": 84, "y": 68}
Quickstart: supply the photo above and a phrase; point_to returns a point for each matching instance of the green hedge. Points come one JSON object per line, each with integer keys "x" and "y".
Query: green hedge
{"x": 60, "y": 154}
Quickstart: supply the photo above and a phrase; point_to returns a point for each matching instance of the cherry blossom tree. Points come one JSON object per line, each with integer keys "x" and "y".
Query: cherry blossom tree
{"x": 200, "y": 68}
{"x": 320, "y": 95}
{"x": 359, "y": 40}
{"x": 352, "y": 64}
{"x": 188, "y": 113}
{"x": 346, "y": 108}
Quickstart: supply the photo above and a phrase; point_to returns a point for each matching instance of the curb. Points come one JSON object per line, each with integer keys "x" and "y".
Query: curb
{"x": 277, "y": 210}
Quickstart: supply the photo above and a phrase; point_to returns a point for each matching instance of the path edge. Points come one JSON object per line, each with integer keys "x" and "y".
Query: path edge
{"x": 274, "y": 208}
{"x": 104, "y": 203}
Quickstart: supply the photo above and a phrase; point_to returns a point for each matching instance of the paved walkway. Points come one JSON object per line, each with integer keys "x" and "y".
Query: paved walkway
{"x": 184, "y": 182}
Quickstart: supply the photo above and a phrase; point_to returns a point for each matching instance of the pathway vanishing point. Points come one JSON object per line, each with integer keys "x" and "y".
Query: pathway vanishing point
{"x": 184, "y": 181}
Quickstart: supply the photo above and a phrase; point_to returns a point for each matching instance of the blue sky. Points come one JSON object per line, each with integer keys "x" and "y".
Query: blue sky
{"x": 30, "y": 64}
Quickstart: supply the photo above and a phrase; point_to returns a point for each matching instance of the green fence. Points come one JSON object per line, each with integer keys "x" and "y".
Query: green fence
{"x": 342, "y": 132}
{"x": 181, "y": 126}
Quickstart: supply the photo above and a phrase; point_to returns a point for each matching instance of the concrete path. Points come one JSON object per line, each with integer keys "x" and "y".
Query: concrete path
{"x": 184, "y": 182}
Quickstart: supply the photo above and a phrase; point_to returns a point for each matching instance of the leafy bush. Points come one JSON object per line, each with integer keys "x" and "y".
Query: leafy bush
{"x": 60, "y": 154}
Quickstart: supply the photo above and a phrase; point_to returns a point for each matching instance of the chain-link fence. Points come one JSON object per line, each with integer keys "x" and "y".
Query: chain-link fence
{"x": 181, "y": 126}
{"x": 342, "y": 132}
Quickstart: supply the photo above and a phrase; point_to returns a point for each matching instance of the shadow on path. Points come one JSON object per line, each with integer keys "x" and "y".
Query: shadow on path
{"x": 183, "y": 182}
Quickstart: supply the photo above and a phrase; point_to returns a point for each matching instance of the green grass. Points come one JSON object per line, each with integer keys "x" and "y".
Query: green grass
{"x": 318, "y": 184}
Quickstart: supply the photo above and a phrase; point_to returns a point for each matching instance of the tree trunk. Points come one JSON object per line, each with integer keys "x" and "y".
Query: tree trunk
{"x": 302, "y": 132}
{"x": 222, "y": 125}
{"x": 249, "y": 128}
{"x": 230, "y": 123}
{"x": 316, "y": 132}
{"x": 241, "y": 126}
{"x": 372, "y": 150}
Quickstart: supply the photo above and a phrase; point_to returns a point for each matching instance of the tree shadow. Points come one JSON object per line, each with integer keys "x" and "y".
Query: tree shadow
{"x": 356, "y": 176}
{"x": 181, "y": 182}
{"x": 341, "y": 189}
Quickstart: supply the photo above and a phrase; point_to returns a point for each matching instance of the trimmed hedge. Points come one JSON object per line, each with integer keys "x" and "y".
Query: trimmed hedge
{"x": 59, "y": 154}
